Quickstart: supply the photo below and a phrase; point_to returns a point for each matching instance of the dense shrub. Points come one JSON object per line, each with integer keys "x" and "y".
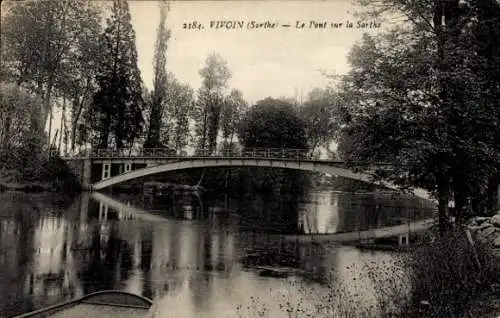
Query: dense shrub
{"x": 24, "y": 160}
{"x": 447, "y": 275}
{"x": 56, "y": 171}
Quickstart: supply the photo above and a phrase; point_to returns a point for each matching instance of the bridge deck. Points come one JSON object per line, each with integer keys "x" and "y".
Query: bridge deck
{"x": 100, "y": 155}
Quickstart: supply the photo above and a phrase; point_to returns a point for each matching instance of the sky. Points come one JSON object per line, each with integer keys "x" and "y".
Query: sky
{"x": 277, "y": 62}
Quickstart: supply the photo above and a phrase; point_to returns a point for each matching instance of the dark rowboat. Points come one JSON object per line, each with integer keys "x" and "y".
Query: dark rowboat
{"x": 107, "y": 303}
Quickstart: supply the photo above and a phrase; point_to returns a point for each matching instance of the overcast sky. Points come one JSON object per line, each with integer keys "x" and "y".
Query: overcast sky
{"x": 264, "y": 62}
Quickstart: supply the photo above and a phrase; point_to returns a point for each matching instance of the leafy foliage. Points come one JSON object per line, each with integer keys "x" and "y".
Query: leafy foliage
{"x": 23, "y": 153}
{"x": 116, "y": 111}
{"x": 321, "y": 114}
{"x": 22, "y": 132}
{"x": 233, "y": 109}
{"x": 49, "y": 47}
{"x": 210, "y": 101}
{"x": 179, "y": 103}
{"x": 21, "y": 119}
{"x": 273, "y": 123}
{"x": 445, "y": 275}
{"x": 415, "y": 97}
{"x": 159, "y": 93}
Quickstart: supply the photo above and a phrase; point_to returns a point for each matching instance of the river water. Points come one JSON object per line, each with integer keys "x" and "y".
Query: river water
{"x": 199, "y": 257}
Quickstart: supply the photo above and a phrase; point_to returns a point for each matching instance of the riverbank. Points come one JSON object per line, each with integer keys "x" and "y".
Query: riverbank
{"x": 45, "y": 174}
{"x": 36, "y": 186}
{"x": 457, "y": 274}
{"x": 26, "y": 187}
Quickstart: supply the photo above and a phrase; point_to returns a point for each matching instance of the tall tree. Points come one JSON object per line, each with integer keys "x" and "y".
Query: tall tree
{"x": 487, "y": 42}
{"x": 21, "y": 119}
{"x": 180, "y": 104}
{"x": 146, "y": 97}
{"x": 80, "y": 83}
{"x": 320, "y": 112}
{"x": 159, "y": 92}
{"x": 22, "y": 130}
{"x": 116, "y": 110}
{"x": 216, "y": 75}
{"x": 415, "y": 100}
{"x": 273, "y": 123}
{"x": 42, "y": 42}
{"x": 233, "y": 109}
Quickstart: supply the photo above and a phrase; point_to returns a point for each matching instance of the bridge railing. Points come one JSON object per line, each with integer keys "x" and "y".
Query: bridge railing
{"x": 282, "y": 153}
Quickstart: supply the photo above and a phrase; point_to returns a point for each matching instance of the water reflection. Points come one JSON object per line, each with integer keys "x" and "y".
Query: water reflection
{"x": 320, "y": 214}
{"x": 334, "y": 212}
{"x": 200, "y": 256}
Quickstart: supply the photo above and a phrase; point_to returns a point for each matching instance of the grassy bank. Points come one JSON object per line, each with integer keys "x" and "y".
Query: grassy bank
{"x": 446, "y": 276}
{"x": 449, "y": 276}
{"x": 37, "y": 174}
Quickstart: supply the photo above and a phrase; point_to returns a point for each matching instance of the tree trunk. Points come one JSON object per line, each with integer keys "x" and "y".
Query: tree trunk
{"x": 6, "y": 129}
{"x": 442, "y": 184}
{"x": 120, "y": 129}
{"x": 477, "y": 206}
{"x": 77, "y": 110}
{"x": 52, "y": 145}
{"x": 73, "y": 134}
{"x": 203, "y": 141}
{"x": 213, "y": 124}
{"x": 66, "y": 141}
{"x": 492, "y": 193}
{"x": 443, "y": 200}
{"x": 459, "y": 196}
{"x": 231, "y": 141}
{"x": 103, "y": 142}
{"x": 61, "y": 126}
{"x": 48, "y": 108}
{"x": 153, "y": 138}
{"x": 131, "y": 146}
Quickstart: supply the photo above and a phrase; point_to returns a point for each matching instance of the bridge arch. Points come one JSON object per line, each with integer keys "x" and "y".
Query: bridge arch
{"x": 315, "y": 166}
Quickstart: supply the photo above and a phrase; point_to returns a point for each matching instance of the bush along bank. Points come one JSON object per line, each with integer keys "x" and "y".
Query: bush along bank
{"x": 458, "y": 273}
{"x": 37, "y": 175}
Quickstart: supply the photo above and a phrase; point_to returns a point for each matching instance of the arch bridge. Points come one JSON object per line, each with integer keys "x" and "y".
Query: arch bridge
{"x": 102, "y": 168}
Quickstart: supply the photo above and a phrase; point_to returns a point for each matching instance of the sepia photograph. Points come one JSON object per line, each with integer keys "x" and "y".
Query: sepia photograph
{"x": 250, "y": 158}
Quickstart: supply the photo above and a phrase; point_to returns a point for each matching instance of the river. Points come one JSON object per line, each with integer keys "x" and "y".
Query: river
{"x": 199, "y": 257}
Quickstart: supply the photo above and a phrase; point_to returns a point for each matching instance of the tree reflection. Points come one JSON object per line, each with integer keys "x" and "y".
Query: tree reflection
{"x": 109, "y": 259}
{"x": 146, "y": 262}
{"x": 16, "y": 244}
